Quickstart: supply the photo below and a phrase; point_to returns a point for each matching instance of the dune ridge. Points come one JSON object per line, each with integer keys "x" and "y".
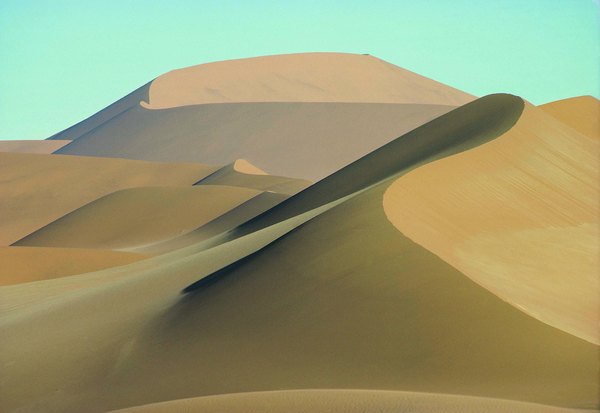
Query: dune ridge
{"x": 308, "y": 77}
{"x": 32, "y": 146}
{"x": 519, "y": 215}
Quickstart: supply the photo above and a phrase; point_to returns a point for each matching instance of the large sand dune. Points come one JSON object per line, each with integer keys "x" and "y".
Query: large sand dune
{"x": 303, "y": 77}
{"x": 582, "y": 113}
{"x": 519, "y": 215}
{"x": 38, "y": 189}
{"x": 320, "y": 292}
{"x": 303, "y": 140}
{"x": 450, "y": 269}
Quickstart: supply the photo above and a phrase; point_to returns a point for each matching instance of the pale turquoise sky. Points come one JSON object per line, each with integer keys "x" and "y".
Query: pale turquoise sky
{"x": 63, "y": 60}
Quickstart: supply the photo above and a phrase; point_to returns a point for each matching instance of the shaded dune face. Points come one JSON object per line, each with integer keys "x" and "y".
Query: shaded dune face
{"x": 343, "y": 401}
{"x": 304, "y": 77}
{"x": 295, "y": 139}
{"x": 519, "y": 215}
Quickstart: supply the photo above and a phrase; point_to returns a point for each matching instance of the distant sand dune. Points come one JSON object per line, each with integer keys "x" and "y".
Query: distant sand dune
{"x": 38, "y": 189}
{"x": 582, "y": 113}
{"x": 27, "y": 264}
{"x": 520, "y": 215}
{"x": 343, "y": 401}
{"x": 139, "y": 216}
{"x": 295, "y": 139}
{"x": 303, "y": 77}
{"x": 242, "y": 173}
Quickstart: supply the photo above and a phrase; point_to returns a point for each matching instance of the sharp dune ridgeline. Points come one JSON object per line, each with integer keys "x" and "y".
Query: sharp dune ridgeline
{"x": 318, "y": 232}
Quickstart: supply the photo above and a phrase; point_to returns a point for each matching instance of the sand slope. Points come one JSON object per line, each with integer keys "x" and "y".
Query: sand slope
{"x": 38, "y": 189}
{"x": 242, "y": 173}
{"x": 32, "y": 146}
{"x": 343, "y": 401}
{"x": 335, "y": 297}
{"x": 303, "y": 77}
{"x": 520, "y": 215}
{"x": 295, "y": 139}
{"x": 582, "y": 113}
{"x": 139, "y": 216}
{"x": 26, "y": 264}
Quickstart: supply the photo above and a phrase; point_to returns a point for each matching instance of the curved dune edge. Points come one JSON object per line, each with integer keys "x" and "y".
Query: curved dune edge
{"x": 519, "y": 215}
{"x": 342, "y": 401}
{"x": 245, "y": 167}
{"x": 581, "y": 113}
{"x": 141, "y": 216}
{"x": 302, "y": 77}
{"x": 28, "y": 264}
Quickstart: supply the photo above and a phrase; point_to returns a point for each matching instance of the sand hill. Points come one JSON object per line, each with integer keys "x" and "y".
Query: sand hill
{"x": 444, "y": 260}
{"x": 32, "y": 146}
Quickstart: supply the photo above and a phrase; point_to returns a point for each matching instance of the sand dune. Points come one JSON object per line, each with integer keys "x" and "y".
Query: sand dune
{"x": 303, "y": 77}
{"x": 343, "y": 401}
{"x": 320, "y": 292}
{"x": 519, "y": 215}
{"x": 26, "y": 264}
{"x": 242, "y": 173}
{"x": 582, "y": 113}
{"x": 224, "y": 223}
{"x": 38, "y": 189}
{"x": 32, "y": 146}
{"x": 302, "y": 140}
{"x": 140, "y": 216}
{"x": 111, "y": 112}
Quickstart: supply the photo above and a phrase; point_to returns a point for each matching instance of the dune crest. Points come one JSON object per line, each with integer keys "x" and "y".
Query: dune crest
{"x": 582, "y": 113}
{"x": 303, "y": 77}
{"x": 245, "y": 167}
{"x": 519, "y": 215}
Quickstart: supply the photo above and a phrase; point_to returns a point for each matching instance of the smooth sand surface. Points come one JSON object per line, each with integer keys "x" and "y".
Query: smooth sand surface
{"x": 32, "y": 146}
{"x": 112, "y": 111}
{"x": 303, "y": 77}
{"x": 38, "y": 189}
{"x": 27, "y": 264}
{"x": 582, "y": 113}
{"x": 335, "y": 297}
{"x": 343, "y": 401}
{"x": 519, "y": 215}
{"x": 243, "y": 174}
{"x": 294, "y": 139}
{"x": 137, "y": 217}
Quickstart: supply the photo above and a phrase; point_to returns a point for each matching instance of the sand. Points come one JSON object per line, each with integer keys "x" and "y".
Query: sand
{"x": 32, "y": 146}
{"x": 27, "y": 264}
{"x": 320, "y": 292}
{"x": 582, "y": 113}
{"x": 303, "y": 77}
{"x": 38, "y": 189}
{"x": 137, "y": 217}
{"x": 519, "y": 215}
{"x": 343, "y": 401}
{"x": 243, "y": 174}
{"x": 323, "y": 137}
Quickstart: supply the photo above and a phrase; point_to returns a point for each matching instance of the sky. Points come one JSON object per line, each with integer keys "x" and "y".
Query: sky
{"x": 63, "y": 60}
